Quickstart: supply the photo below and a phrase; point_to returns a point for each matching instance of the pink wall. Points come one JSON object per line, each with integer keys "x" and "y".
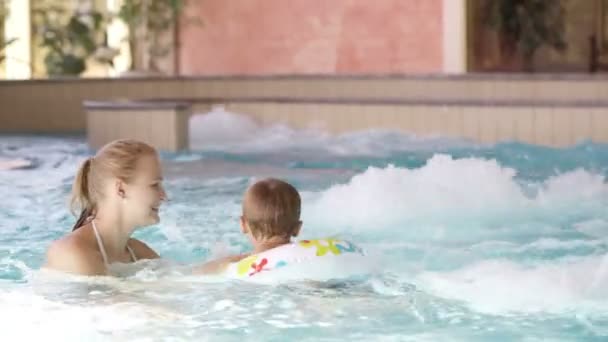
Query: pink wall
{"x": 312, "y": 37}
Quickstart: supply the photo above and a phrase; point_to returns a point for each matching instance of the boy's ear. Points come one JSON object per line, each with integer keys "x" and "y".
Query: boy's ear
{"x": 296, "y": 231}
{"x": 244, "y": 228}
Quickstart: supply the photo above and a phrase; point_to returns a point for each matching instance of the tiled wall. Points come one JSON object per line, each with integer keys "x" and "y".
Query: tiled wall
{"x": 56, "y": 106}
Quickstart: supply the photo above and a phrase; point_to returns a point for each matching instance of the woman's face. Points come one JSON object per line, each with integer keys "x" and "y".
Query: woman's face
{"x": 145, "y": 193}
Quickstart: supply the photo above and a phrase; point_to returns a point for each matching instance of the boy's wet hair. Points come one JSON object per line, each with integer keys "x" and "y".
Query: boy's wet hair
{"x": 271, "y": 208}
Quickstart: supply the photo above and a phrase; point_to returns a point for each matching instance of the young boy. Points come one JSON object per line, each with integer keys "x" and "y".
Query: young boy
{"x": 271, "y": 217}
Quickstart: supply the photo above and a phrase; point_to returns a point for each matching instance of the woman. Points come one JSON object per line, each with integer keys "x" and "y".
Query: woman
{"x": 117, "y": 191}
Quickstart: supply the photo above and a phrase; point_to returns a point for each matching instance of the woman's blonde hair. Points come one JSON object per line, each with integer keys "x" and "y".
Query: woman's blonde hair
{"x": 117, "y": 159}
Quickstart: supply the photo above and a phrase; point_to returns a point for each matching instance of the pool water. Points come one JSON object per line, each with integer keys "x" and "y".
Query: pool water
{"x": 474, "y": 242}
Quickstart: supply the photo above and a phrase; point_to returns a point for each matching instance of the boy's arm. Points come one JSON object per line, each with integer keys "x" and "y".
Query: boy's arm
{"x": 219, "y": 265}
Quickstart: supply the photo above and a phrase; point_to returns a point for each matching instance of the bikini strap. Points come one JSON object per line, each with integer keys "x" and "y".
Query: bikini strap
{"x": 133, "y": 256}
{"x": 102, "y": 249}
{"x": 100, "y": 243}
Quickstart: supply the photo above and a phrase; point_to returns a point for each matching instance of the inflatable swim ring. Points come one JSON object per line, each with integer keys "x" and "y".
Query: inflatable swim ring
{"x": 307, "y": 259}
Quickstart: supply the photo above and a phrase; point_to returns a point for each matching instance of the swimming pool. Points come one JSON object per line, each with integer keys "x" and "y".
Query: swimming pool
{"x": 500, "y": 242}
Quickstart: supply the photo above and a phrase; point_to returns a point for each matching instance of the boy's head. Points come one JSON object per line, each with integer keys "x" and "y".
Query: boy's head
{"x": 271, "y": 210}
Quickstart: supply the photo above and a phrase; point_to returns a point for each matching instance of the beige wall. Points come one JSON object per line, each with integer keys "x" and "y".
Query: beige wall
{"x": 56, "y": 106}
{"x": 166, "y": 128}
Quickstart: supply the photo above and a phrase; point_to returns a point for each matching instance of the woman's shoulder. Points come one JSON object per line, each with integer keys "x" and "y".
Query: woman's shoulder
{"x": 74, "y": 255}
{"x": 142, "y": 250}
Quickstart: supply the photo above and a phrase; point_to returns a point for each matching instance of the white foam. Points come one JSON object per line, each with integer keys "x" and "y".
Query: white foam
{"x": 542, "y": 245}
{"x": 82, "y": 307}
{"x": 502, "y": 287}
{"x": 577, "y": 185}
{"x": 447, "y": 192}
{"x": 29, "y": 316}
{"x": 227, "y": 131}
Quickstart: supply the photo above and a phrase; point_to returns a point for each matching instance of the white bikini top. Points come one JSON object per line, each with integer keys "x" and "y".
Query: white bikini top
{"x": 104, "y": 255}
